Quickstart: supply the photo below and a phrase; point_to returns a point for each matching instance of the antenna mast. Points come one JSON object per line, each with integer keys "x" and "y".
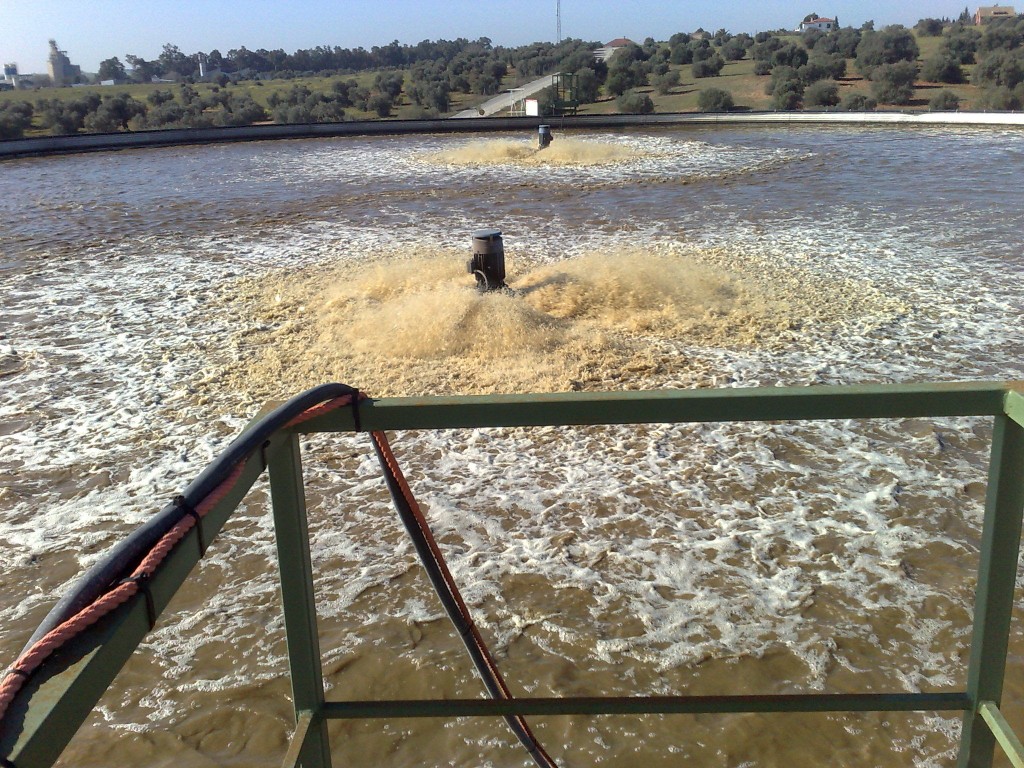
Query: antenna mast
{"x": 558, "y": 20}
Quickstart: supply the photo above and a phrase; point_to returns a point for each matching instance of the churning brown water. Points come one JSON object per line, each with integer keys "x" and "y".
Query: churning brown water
{"x": 573, "y": 152}
{"x": 153, "y": 300}
{"x": 416, "y": 325}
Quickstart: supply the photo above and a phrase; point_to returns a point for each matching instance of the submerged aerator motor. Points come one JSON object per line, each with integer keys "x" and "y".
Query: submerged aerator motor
{"x": 488, "y": 262}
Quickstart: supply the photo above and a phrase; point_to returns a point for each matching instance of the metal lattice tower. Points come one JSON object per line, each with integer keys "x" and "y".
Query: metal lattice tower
{"x": 558, "y": 21}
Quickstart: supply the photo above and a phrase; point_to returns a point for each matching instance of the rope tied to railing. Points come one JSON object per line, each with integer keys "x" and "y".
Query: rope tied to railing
{"x": 126, "y": 588}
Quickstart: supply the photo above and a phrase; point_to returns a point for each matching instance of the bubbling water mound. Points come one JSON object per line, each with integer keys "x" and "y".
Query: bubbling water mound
{"x": 412, "y": 326}
{"x": 562, "y": 151}
{"x": 430, "y": 315}
{"x": 638, "y": 292}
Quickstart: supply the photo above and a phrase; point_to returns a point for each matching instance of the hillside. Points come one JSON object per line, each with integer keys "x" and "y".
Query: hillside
{"x": 467, "y": 73}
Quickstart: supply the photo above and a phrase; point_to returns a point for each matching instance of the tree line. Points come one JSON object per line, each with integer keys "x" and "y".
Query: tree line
{"x": 804, "y": 73}
{"x": 801, "y": 71}
{"x": 475, "y": 65}
{"x": 438, "y": 70}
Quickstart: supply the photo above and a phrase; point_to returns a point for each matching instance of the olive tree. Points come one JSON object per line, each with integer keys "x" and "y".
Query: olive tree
{"x": 894, "y": 83}
{"x": 634, "y": 103}
{"x": 821, "y": 93}
{"x": 714, "y": 100}
{"x": 944, "y": 101}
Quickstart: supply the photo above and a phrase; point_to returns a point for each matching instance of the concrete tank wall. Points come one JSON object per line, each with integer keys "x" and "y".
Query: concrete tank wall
{"x": 54, "y": 145}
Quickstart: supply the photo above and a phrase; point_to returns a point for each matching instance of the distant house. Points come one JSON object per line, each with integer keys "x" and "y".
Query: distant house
{"x": 604, "y": 52}
{"x": 819, "y": 23}
{"x": 987, "y": 13}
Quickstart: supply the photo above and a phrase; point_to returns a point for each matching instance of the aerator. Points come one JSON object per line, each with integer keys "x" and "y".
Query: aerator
{"x": 544, "y": 136}
{"x": 488, "y": 262}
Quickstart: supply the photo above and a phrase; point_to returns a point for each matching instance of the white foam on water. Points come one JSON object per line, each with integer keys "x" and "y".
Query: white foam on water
{"x": 606, "y": 158}
{"x": 658, "y": 549}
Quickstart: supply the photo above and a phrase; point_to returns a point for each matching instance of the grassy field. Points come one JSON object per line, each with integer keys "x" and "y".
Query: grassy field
{"x": 747, "y": 90}
{"x": 259, "y": 90}
{"x": 737, "y": 77}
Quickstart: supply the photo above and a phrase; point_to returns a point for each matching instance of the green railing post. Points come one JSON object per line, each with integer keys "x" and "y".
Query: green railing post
{"x": 993, "y": 602}
{"x": 289, "y": 501}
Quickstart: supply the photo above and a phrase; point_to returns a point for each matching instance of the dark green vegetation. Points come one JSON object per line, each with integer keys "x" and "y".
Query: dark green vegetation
{"x": 15, "y": 118}
{"x": 715, "y": 100}
{"x": 940, "y": 64}
{"x": 320, "y": 85}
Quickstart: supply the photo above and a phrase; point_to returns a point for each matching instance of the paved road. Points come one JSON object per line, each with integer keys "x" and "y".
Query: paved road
{"x": 505, "y": 100}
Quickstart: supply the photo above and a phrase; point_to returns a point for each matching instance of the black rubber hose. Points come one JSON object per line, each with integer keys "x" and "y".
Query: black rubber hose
{"x": 462, "y": 622}
{"x": 128, "y": 553}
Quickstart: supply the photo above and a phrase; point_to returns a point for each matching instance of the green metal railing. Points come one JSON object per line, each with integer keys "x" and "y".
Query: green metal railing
{"x": 55, "y": 702}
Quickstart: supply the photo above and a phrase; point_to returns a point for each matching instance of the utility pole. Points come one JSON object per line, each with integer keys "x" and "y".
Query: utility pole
{"x": 558, "y": 20}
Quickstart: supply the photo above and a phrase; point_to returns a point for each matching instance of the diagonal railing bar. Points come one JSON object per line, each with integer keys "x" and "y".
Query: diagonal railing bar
{"x": 53, "y": 704}
{"x": 1003, "y": 732}
{"x": 298, "y": 743}
{"x": 1014, "y": 406}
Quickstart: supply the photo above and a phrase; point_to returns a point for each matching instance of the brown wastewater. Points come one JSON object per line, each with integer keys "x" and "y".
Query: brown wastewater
{"x": 153, "y": 300}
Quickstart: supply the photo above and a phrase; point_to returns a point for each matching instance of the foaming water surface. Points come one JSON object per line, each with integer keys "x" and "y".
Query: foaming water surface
{"x": 153, "y": 300}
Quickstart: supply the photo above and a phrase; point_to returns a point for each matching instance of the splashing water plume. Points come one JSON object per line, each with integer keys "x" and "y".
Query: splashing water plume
{"x": 411, "y": 326}
{"x": 563, "y": 151}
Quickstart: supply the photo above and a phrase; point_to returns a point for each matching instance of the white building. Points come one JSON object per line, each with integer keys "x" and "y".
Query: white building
{"x": 825, "y": 25}
{"x": 605, "y": 52}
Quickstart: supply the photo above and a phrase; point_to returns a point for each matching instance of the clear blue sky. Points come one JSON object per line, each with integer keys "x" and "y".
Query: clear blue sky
{"x": 93, "y": 30}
